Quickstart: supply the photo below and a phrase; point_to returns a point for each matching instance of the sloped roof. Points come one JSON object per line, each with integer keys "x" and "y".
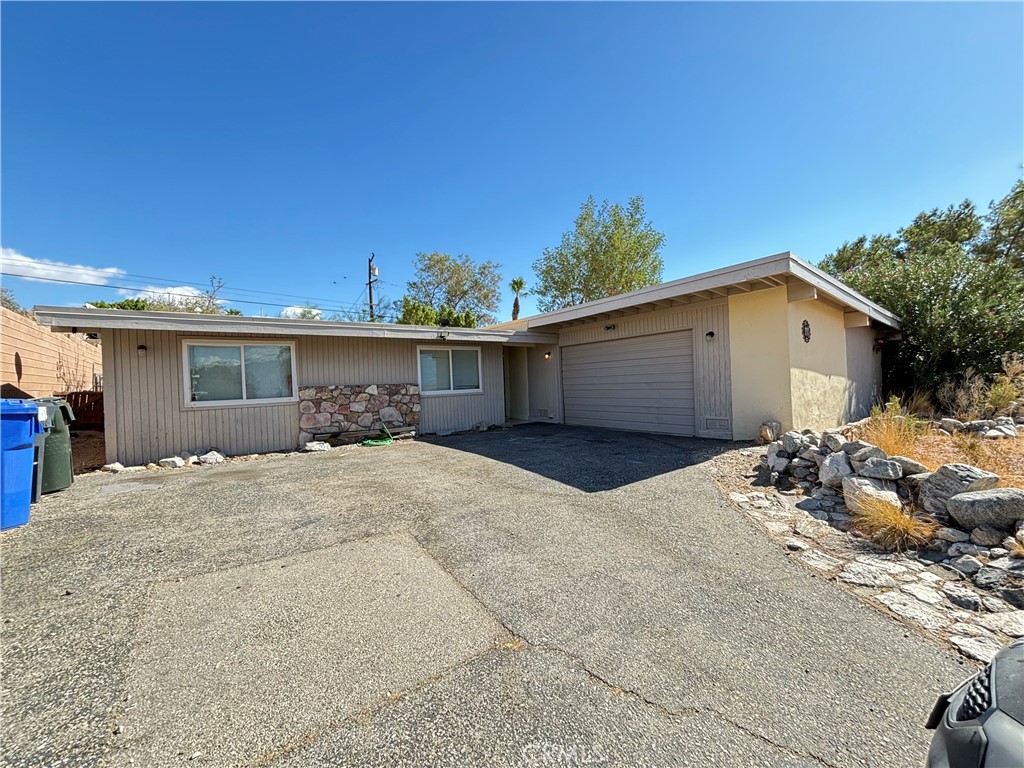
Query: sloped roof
{"x": 88, "y": 320}
{"x": 781, "y": 269}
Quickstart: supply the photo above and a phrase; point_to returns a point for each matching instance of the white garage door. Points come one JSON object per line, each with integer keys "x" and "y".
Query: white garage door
{"x": 643, "y": 383}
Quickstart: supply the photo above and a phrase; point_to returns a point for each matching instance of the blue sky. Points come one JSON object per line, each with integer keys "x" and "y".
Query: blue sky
{"x": 277, "y": 145}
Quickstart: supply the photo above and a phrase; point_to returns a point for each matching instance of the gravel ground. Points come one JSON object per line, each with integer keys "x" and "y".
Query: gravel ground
{"x": 535, "y": 596}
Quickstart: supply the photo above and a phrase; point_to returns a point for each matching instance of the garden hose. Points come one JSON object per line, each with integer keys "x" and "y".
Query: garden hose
{"x": 372, "y": 441}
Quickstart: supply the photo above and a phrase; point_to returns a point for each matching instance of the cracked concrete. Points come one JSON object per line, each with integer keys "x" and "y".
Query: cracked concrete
{"x": 540, "y": 596}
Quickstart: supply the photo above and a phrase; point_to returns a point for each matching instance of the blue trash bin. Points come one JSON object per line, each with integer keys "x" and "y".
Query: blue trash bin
{"x": 19, "y": 425}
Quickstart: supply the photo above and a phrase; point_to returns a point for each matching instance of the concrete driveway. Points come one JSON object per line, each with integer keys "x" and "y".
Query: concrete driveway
{"x": 536, "y": 596}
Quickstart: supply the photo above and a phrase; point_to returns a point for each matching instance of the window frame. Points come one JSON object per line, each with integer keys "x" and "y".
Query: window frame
{"x": 186, "y": 393}
{"x": 449, "y": 392}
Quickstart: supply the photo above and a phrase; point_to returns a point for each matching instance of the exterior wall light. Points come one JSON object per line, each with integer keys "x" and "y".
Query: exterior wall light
{"x": 141, "y": 350}
{"x": 709, "y": 335}
{"x": 443, "y": 334}
{"x": 547, "y": 355}
{"x": 610, "y": 327}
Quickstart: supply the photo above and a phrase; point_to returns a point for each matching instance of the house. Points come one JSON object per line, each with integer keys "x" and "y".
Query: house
{"x": 713, "y": 355}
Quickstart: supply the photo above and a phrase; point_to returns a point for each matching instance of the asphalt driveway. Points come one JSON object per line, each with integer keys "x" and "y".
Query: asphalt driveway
{"x": 535, "y": 596}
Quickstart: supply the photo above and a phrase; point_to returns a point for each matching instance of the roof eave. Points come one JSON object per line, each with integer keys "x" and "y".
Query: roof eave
{"x": 785, "y": 263}
{"x": 65, "y": 319}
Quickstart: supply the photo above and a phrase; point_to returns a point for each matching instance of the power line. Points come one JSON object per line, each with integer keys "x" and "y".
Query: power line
{"x": 163, "y": 292}
{"x": 169, "y": 281}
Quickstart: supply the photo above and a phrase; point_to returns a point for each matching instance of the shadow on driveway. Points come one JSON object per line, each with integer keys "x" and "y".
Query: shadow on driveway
{"x": 586, "y": 458}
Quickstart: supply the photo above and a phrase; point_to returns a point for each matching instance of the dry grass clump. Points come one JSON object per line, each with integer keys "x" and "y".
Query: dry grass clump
{"x": 893, "y": 429}
{"x": 972, "y": 396}
{"x": 1017, "y": 550}
{"x": 892, "y": 526}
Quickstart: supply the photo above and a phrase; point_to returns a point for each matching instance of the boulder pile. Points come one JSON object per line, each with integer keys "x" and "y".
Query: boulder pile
{"x": 980, "y": 524}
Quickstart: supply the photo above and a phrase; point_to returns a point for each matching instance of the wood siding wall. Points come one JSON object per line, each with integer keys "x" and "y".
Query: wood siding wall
{"x": 146, "y": 417}
{"x": 712, "y": 378}
{"x": 41, "y": 363}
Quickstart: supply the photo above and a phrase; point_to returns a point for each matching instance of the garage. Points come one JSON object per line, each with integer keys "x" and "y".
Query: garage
{"x": 641, "y": 383}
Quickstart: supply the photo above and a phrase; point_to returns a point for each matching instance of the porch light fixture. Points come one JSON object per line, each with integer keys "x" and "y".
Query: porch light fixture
{"x": 141, "y": 349}
{"x": 610, "y": 327}
{"x": 442, "y": 334}
{"x": 547, "y": 355}
{"x": 709, "y": 335}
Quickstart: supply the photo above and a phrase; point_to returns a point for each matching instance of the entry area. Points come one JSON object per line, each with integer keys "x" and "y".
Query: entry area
{"x": 643, "y": 383}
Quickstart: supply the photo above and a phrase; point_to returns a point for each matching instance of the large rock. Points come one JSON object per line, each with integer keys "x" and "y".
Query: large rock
{"x": 1009, "y": 622}
{"x": 868, "y": 452}
{"x": 951, "y": 480}
{"x": 792, "y": 442}
{"x": 172, "y": 462}
{"x": 390, "y": 415}
{"x": 212, "y": 457}
{"x": 952, "y": 425}
{"x": 833, "y": 441}
{"x": 982, "y": 648}
{"x": 967, "y": 564}
{"x": 880, "y": 469}
{"x": 997, "y": 507}
{"x": 911, "y": 608}
{"x": 834, "y": 468}
{"x": 909, "y": 466}
{"x": 962, "y": 597}
{"x": 858, "y": 489}
{"x": 952, "y": 535}
{"x": 987, "y": 536}
{"x": 865, "y": 575}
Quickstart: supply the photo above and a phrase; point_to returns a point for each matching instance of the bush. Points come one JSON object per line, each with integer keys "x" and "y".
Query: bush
{"x": 892, "y": 526}
{"x": 893, "y": 429}
{"x": 966, "y": 397}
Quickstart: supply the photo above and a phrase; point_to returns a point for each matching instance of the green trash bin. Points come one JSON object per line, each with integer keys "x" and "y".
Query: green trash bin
{"x": 56, "y": 467}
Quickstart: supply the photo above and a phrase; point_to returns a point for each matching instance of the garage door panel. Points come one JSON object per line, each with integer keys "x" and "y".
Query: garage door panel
{"x": 643, "y": 384}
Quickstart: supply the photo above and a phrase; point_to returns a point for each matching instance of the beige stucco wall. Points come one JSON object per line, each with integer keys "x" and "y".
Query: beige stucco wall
{"x": 864, "y": 370}
{"x": 759, "y": 353}
{"x": 545, "y": 400}
{"x": 818, "y": 374}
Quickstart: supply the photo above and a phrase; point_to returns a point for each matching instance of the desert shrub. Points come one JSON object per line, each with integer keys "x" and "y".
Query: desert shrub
{"x": 919, "y": 403}
{"x": 893, "y": 429}
{"x": 965, "y": 397}
{"x": 892, "y": 526}
{"x": 1002, "y": 396}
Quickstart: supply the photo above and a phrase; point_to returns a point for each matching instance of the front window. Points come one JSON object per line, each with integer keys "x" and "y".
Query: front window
{"x": 449, "y": 370}
{"x": 226, "y": 372}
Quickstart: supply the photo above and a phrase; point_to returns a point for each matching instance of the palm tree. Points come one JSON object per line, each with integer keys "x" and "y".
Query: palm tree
{"x": 518, "y": 286}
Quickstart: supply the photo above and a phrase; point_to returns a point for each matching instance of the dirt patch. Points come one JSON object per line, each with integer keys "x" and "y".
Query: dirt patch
{"x": 88, "y": 450}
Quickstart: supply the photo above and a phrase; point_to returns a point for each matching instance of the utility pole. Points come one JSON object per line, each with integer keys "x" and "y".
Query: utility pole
{"x": 371, "y": 273}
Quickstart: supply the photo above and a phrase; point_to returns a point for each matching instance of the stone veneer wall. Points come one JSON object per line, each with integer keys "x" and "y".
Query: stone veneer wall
{"x": 339, "y": 409}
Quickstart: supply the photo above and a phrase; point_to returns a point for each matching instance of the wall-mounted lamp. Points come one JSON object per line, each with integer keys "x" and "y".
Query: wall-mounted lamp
{"x": 442, "y": 334}
{"x": 141, "y": 350}
{"x": 547, "y": 355}
{"x": 610, "y": 327}
{"x": 709, "y": 335}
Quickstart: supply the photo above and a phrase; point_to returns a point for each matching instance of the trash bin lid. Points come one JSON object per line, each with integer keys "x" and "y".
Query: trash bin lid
{"x": 12, "y": 407}
{"x": 51, "y": 404}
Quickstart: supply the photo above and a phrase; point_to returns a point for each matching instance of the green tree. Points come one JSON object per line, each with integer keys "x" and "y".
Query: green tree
{"x": 518, "y": 286}
{"x": 951, "y": 277}
{"x": 1004, "y": 238}
{"x": 417, "y": 313}
{"x": 456, "y": 282}
{"x": 135, "y": 305}
{"x": 205, "y": 303}
{"x": 610, "y": 250}
{"x": 8, "y": 301}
